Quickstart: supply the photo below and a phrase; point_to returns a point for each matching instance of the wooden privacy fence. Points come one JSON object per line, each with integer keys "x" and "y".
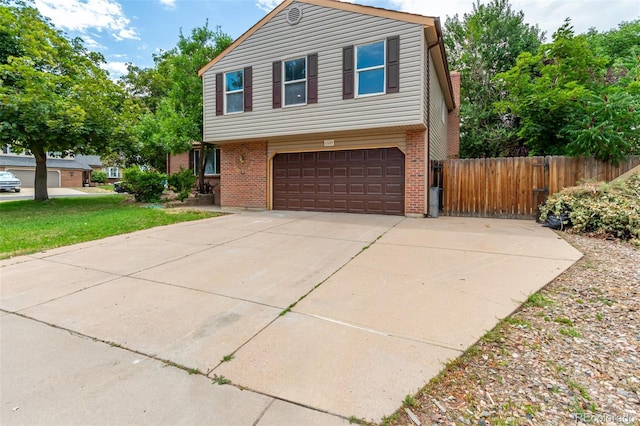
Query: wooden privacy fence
{"x": 514, "y": 187}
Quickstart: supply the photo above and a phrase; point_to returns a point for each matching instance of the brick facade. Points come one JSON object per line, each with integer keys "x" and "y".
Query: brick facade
{"x": 415, "y": 173}
{"x": 243, "y": 175}
{"x": 175, "y": 161}
{"x": 453, "y": 120}
{"x": 71, "y": 178}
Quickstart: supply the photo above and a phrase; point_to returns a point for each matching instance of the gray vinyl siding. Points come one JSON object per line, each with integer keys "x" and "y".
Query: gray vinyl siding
{"x": 324, "y": 31}
{"x": 438, "y": 131}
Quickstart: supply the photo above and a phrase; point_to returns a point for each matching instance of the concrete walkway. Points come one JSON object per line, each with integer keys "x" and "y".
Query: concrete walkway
{"x": 312, "y": 317}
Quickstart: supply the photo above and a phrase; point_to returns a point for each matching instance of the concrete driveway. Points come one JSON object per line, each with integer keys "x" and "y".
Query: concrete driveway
{"x": 312, "y": 317}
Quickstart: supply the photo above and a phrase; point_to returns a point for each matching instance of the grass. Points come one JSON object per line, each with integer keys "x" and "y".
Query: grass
{"x": 28, "y": 226}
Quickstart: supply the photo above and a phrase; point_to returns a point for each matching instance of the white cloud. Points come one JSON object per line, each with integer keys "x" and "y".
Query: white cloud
{"x": 267, "y": 5}
{"x": 168, "y": 4}
{"x": 549, "y": 15}
{"x": 81, "y": 15}
{"x": 116, "y": 69}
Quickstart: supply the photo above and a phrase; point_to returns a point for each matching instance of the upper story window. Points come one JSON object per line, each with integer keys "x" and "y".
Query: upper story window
{"x": 234, "y": 92}
{"x": 295, "y": 81}
{"x": 370, "y": 68}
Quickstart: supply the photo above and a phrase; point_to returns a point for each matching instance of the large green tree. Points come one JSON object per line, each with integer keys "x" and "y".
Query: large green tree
{"x": 170, "y": 94}
{"x": 576, "y": 97}
{"x": 53, "y": 94}
{"x": 483, "y": 43}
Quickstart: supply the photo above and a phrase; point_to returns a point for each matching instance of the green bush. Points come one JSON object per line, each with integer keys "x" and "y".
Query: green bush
{"x": 182, "y": 182}
{"x": 601, "y": 209}
{"x": 145, "y": 185}
{"x": 98, "y": 176}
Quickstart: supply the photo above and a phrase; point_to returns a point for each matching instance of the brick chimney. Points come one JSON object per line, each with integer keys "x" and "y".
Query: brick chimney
{"x": 453, "y": 119}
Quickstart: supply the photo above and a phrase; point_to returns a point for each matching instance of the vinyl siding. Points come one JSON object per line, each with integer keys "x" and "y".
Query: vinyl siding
{"x": 324, "y": 31}
{"x": 438, "y": 131}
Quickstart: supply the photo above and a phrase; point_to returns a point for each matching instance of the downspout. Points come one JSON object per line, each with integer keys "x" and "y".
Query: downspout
{"x": 428, "y": 186}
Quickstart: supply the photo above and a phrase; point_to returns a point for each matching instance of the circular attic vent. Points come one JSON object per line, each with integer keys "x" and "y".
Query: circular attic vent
{"x": 294, "y": 15}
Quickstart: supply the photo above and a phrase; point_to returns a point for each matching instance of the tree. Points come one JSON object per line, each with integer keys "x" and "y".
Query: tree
{"x": 53, "y": 96}
{"x": 171, "y": 94}
{"x": 571, "y": 100}
{"x": 484, "y": 43}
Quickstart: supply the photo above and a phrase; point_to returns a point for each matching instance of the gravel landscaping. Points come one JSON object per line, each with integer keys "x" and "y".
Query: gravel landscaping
{"x": 570, "y": 355}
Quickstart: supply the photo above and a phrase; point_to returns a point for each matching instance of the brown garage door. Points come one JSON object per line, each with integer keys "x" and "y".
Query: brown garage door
{"x": 356, "y": 181}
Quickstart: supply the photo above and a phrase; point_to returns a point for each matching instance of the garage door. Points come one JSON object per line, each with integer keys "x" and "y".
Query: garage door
{"x": 27, "y": 178}
{"x": 356, "y": 181}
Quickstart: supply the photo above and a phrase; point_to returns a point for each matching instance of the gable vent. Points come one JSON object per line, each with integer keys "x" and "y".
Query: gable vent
{"x": 294, "y": 15}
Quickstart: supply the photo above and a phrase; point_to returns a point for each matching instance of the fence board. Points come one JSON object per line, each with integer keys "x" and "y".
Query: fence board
{"x": 514, "y": 187}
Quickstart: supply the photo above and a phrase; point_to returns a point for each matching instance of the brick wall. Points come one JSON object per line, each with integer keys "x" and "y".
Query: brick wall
{"x": 70, "y": 178}
{"x": 243, "y": 175}
{"x": 453, "y": 120}
{"x": 415, "y": 170}
{"x": 175, "y": 161}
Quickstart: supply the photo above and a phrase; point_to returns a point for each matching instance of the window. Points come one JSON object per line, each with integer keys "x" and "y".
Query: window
{"x": 295, "y": 81}
{"x": 443, "y": 109}
{"x": 211, "y": 163}
{"x": 113, "y": 172}
{"x": 370, "y": 69}
{"x": 234, "y": 92}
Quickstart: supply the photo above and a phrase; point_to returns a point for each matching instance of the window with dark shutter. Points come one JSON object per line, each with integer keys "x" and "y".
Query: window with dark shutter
{"x": 393, "y": 64}
{"x": 248, "y": 89}
{"x": 219, "y": 94}
{"x": 347, "y": 73}
{"x": 277, "y": 84}
{"x": 312, "y": 78}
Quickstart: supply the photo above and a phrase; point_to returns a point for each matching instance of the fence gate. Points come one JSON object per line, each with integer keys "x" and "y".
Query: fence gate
{"x": 540, "y": 181}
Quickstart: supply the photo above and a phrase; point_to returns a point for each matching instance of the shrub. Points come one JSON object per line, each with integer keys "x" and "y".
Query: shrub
{"x": 146, "y": 186}
{"x": 182, "y": 182}
{"x": 597, "y": 208}
{"x": 98, "y": 176}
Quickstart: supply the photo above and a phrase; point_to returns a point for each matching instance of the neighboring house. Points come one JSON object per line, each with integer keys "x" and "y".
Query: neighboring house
{"x": 62, "y": 172}
{"x": 331, "y": 106}
{"x": 191, "y": 159}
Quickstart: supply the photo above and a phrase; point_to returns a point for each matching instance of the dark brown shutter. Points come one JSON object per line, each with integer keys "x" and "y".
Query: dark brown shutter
{"x": 393, "y": 64}
{"x": 219, "y": 94}
{"x": 277, "y": 84}
{"x": 191, "y": 154}
{"x": 248, "y": 89}
{"x": 347, "y": 72}
{"x": 312, "y": 78}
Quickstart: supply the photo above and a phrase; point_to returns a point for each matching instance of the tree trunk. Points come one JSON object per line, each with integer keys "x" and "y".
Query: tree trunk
{"x": 40, "y": 184}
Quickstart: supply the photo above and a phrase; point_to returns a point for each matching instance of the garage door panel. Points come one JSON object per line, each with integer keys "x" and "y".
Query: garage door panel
{"x": 324, "y": 172}
{"x": 339, "y": 172}
{"x": 356, "y": 171}
{"x": 356, "y": 181}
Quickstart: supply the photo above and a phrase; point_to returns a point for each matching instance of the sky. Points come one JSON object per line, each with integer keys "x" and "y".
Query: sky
{"x": 133, "y": 30}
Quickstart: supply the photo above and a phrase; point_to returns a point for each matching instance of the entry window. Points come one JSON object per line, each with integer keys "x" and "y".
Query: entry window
{"x": 234, "y": 92}
{"x": 295, "y": 81}
{"x": 211, "y": 161}
{"x": 370, "y": 68}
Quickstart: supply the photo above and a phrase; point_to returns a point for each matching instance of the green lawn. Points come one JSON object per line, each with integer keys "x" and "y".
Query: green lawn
{"x": 27, "y": 226}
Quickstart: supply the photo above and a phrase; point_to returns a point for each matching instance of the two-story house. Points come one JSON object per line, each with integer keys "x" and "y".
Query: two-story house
{"x": 331, "y": 106}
